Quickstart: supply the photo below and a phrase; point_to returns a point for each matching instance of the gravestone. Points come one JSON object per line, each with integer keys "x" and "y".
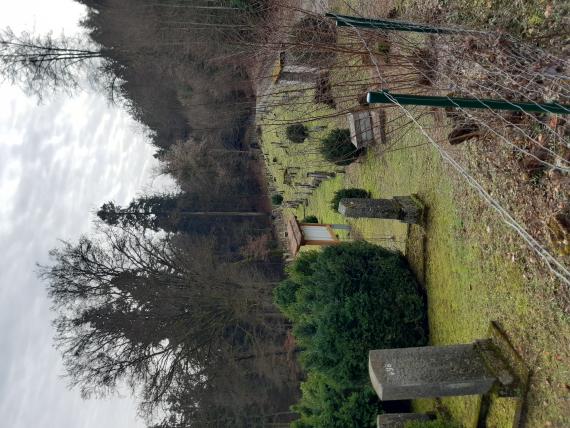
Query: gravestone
{"x": 321, "y": 174}
{"x": 403, "y": 208}
{"x": 297, "y": 77}
{"x": 298, "y": 74}
{"x": 361, "y": 128}
{"x": 398, "y": 420}
{"x": 436, "y": 371}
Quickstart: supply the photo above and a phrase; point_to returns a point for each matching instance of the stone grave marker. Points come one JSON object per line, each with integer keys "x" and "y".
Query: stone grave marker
{"x": 321, "y": 174}
{"x": 366, "y": 127}
{"x": 436, "y": 371}
{"x": 361, "y": 128}
{"x": 403, "y": 208}
{"x": 398, "y": 420}
{"x": 294, "y": 70}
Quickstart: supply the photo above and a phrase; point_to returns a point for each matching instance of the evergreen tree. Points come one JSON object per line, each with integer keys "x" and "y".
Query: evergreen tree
{"x": 148, "y": 212}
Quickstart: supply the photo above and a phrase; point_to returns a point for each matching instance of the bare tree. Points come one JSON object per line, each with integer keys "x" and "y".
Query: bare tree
{"x": 141, "y": 309}
{"x": 42, "y": 64}
{"x": 211, "y": 172}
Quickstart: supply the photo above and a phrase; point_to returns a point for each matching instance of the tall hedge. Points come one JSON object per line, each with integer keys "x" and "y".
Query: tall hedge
{"x": 345, "y": 301}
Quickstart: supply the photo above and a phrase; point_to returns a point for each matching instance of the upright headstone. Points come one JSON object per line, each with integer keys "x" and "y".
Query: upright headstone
{"x": 321, "y": 174}
{"x": 435, "y": 371}
{"x": 361, "y": 128}
{"x": 403, "y": 208}
{"x": 294, "y": 70}
{"x": 398, "y": 420}
{"x": 289, "y": 76}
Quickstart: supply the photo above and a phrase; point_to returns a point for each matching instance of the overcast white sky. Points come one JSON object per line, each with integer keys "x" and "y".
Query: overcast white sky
{"x": 58, "y": 162}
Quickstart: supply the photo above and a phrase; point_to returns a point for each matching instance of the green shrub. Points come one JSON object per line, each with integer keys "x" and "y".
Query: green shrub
{"x": 347, "y": 193}
{"x": 436, "y": 423}
{"x": 324, "y": 406}
{"x": 349, "y": 299}
{"x": 337, "y": 147}
{"x": 310, "y": 219}
{"x": 383, "y": 47}
{"x": 343, "y": 302}
{"x": 284, "y": 296}
{"x": 297, "y": 132}
{"x": 277, "y": 199}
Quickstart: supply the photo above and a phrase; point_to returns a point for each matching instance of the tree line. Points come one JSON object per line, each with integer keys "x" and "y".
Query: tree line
{"x": 191, "y": 333}
{"x": 171, "y": 295}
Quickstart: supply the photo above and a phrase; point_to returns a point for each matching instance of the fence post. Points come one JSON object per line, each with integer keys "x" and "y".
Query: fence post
{"x": 385, "y": 97}
{"x": 388, "y": 24}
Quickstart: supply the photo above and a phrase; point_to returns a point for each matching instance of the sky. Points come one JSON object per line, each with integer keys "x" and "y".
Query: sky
{"x": 59, "y": 161}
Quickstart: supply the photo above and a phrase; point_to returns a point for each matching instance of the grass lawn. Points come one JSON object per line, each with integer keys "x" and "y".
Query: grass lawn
{"x": 467, "y": 260}
{"x": 473, "y": 267}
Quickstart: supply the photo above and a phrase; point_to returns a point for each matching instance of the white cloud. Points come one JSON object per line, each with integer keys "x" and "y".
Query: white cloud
{"x": 58, "y": 162}
{"x": 43, "y": 16}
{"x": 68, "y": 158}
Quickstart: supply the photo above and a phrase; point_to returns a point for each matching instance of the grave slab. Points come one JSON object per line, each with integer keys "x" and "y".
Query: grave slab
{"x": 361, "y": 128}
{"x": 429, "y": 371}
{"x": 398, "y": 420}
{"x": 403, "y": 208}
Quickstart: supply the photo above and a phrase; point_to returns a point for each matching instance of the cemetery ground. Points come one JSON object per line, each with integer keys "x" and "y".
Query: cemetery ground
{"x": 474, "y": 269}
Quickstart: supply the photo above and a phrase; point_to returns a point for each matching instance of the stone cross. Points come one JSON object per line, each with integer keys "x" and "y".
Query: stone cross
{"x": 403, "y": 208}
{"x": 436, "y": 371}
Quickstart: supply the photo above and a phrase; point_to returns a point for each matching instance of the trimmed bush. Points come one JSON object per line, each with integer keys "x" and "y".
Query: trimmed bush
{"x": 347, "y": 193}
{"x": 348, "y": 299}
{"x": 284, "y": 296}
{"x": 310, "y": 219}
{"x": 344, "y": 301}
{"x": 277, "y": 199}
{"x": 297, "y": 133}
{"x": 337, "y": 147}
